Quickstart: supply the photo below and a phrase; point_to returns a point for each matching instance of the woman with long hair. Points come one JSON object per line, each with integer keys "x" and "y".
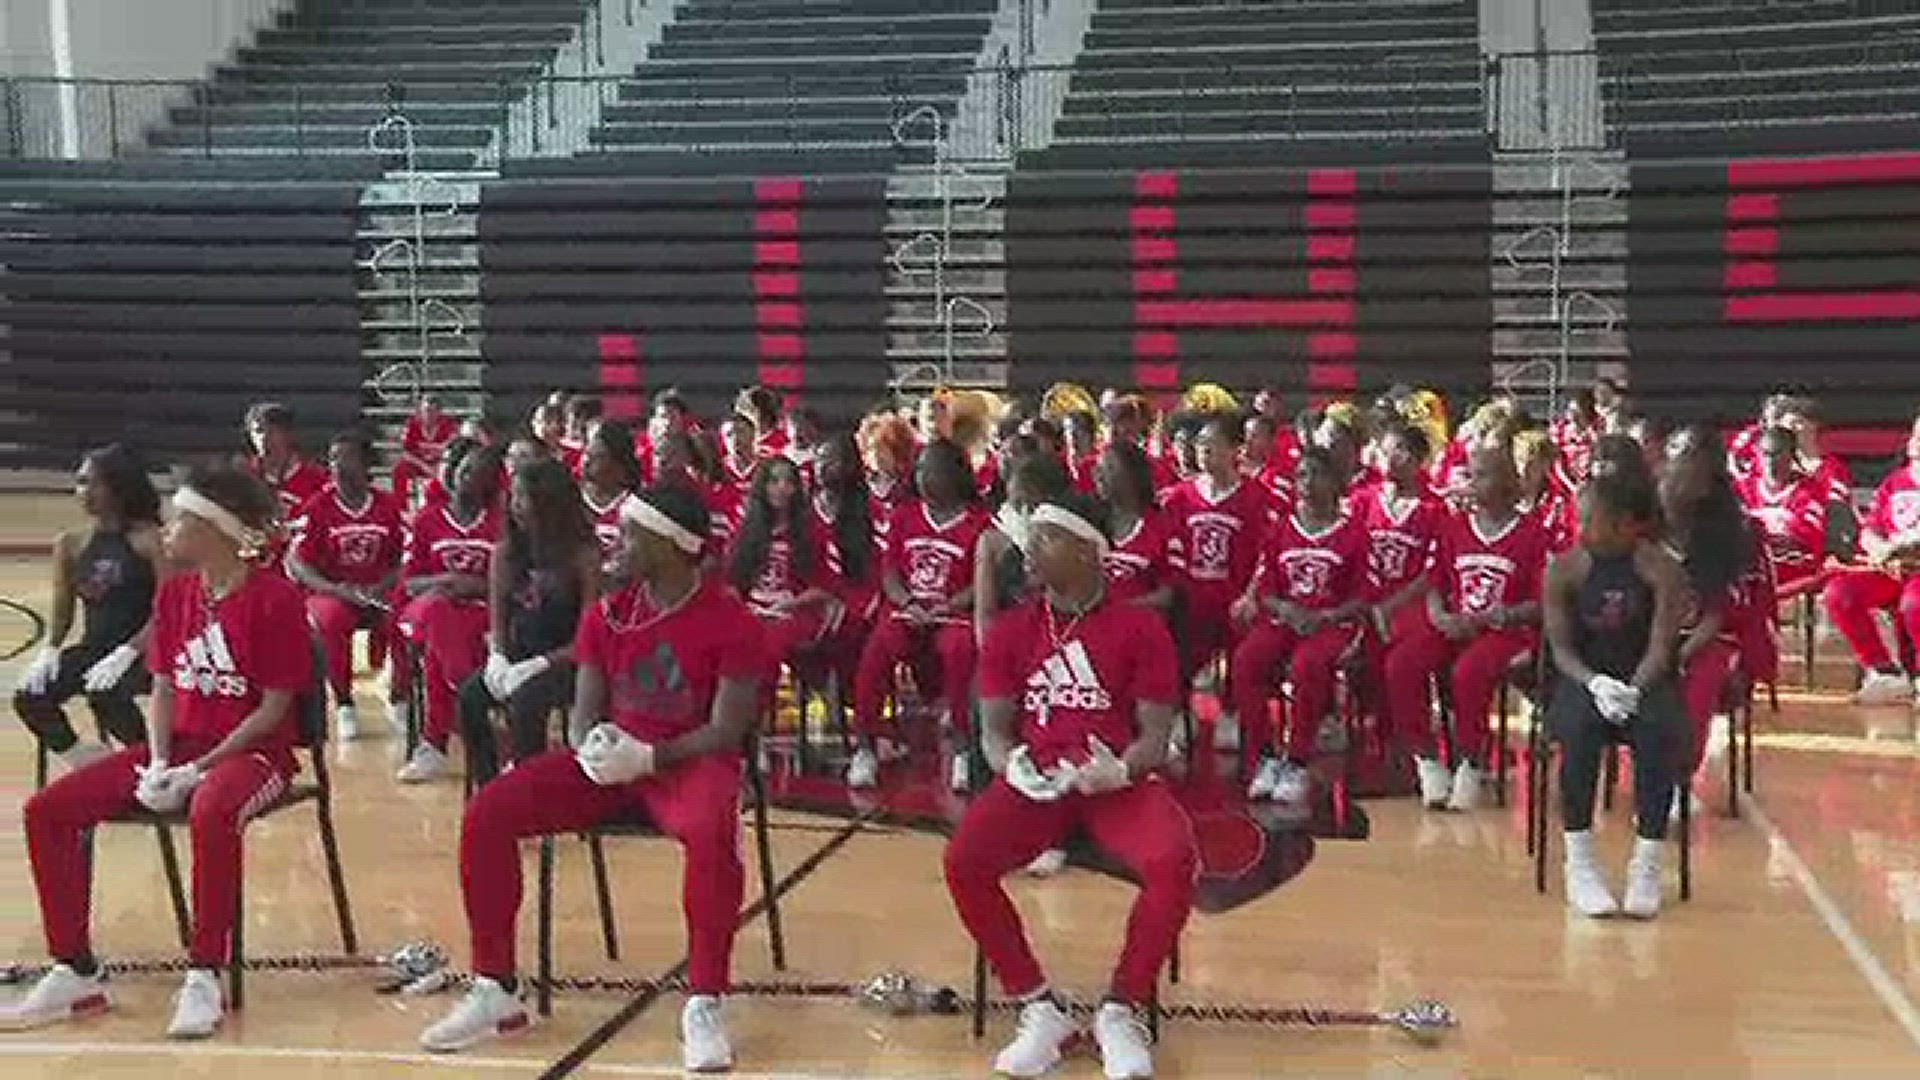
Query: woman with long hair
{"x": 110, "y": 567}
{"x": 849, "y": 546}
{"x": 609, "y": 478}
{"x": 1143, "y": 563}
{"x": 663, "y": 702}
{"x": 346, "y": 554}
{"x": 445, "y": 582}
{"x": 1613, "y": 609}
{"x": 230, "y": 648}
{"x": 777, "y": 564}
{"x": 546, "y": 568}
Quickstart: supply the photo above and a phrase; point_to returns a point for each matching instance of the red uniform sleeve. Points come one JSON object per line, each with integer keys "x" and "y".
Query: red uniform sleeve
{"x": 590, "y": 640}
{"x": 1156, "y": 676}
{"x": 308, "y": 527}
{"x": 282, "y": 654}
{"x": 999, "y": 678}
{"x": 892, "y": 555}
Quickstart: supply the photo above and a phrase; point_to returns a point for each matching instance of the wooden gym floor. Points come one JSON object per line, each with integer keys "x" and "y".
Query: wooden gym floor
{"x": 1799, "y": 955}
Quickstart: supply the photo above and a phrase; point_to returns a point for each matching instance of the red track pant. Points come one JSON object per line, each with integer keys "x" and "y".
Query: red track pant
{"x": 1205, "y": 630}
{"x": 1476, "y": 665}
{"x": 1703, "y": 685}
{"x": 894, "y": 640}
{"x": 452, "y": 638}
{"x": 1312, "y": 665}
{"x": 1852, "y": 598}
{"x": 335, "y": 620}
{"x": 696, "y": 803}
{"x": 58, "y": 817}
{"x": 1143, "y": 826}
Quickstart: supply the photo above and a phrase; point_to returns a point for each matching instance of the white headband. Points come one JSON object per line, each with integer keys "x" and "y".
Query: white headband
{"x": 1062, "y": 518}
{"x": 188, "y": 501}
{"x": 644, "y": 514}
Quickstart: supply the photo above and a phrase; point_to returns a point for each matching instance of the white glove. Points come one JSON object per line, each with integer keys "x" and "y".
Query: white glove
{"x": 611, "y": 757}
{"x": 39, "y": 674}
{"x": 1027, "y": 778}
{"x": 1102, "y": 773}
{"x": 164, "y": 790}
{"x": 1616, "y": 700}
{"x": 112, "y": 667}
{"x": 497, "y": 667}
{"x": 518, "y": 675}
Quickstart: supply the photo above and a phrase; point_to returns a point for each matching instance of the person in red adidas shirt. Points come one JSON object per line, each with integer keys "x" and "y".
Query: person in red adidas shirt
{"x": 1482, "y": 613}
{"x": 1890, "y": 541}
{"x": 346, "y": 554}
{"x": 1301, "y": 607}
{"x": 230, "y": 654}
{"x": 422, "y": 442}
{"x": 1146, "y": 558}
{"x": 927, "y": 582}
{"x": 1220, "y": 521}
{"x": 1790, "y": 509}
{"x": 444, "y": 611}
{"x": 664, "y": 700}
{"x": 1077, "y": 697}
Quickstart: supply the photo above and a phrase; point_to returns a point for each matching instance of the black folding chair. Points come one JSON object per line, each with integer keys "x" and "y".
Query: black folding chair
{"x": 637, "y": 825}
{"x": 310, "y": 718}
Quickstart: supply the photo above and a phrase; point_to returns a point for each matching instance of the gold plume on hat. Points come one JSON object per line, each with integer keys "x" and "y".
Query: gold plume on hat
{"x": 1209, "y": 398}
{"x": 1063, "y": 399}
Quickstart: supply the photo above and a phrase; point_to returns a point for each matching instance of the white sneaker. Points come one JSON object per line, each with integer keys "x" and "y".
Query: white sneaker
{"x": 1587, "y": 891}
{"x": 425, "y": 765}
{"x": 62, "y": 994}
{"x": 1036, "y": 1049}
{"x": 1466, "y": 787}
{"x": 1125, "y": 1049}
{"x": 1264, "y": 779}
{"x": 487, "y": 1012}
{"x": 863, "y": 770}
{"x": 1436, "y": 782}
{"x": 1047, "y": 863}
{"x": 704, "y": 1046}
{"x": 1226, "y": 732}
{"x": 198, "y": 1008}
{"x": 1642, "y": 900}
{"x": 1884, "y": 688}
{"x": 960, "y": 776}
{"x": 1292, "y": 785}
{"x": 346, "y": 721}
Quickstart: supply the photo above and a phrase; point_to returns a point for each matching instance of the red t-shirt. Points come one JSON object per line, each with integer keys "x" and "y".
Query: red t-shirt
{"x": 1793, "y": 521}
{"x": 606, "y": 522}
{"x": 1896, "y": 504}
{"x": 439, "y": 544}
{"x": 779, "y": 579}
{"x": 934, "y": 561}
{"x": 1220, "y": 537}
{"x": 1559, "y": 515}
{"x": 1832, "y": 474}
{"x": 886, "y": 494}
{"x": 1477, "y": 573}
{"x": 1318, "y": 570}
{"x": 300, "y": 482}
{"x": 1401, "y": 536}
{"x": 1143, "y": 560}
{"x": 427, "y": 441}
{"x": 347, "y": 546}
{"x": 220, "y": 667}
{"x": 1071, "y": 679}
{"x": 662, "y": 669}
{"x": 1575, "y": 443}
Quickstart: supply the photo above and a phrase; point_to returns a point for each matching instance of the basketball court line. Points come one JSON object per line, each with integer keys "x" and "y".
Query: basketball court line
{"x": 1885, "y": 986}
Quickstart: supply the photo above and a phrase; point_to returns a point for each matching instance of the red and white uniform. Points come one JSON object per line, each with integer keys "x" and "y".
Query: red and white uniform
{"x": 606, "y": 523}
{"x": 1558, "y": 513}
{"x": 1217, "y": 536}
{"x": 886, "y": 494}
{"x": 423, "y": 443}
{"x": 1070, "y": 680}
{"x": 440, "y": 543}
{"x": 1477, "y": 572}
{"x": 1830, "y": 472}
{"x": 1402, "y": 533}
{"x": 772, "y": 443}
{"x": 450, "y": 632}
{"x": 359, "y": 546}
{"x": 1144, "y": 559}
{"x": 1314, "y": 569}
{"x": 662, "y": 671}
{"x": 294, "y": 485}
{"x": 1575, "y": 443}
{"x": 934, "y": 561}
{"x": 862, "y": 596}
{"x": 1854, "y": 596}
{"x": 219, "y": 658}
{"x": 1792, "y": 521}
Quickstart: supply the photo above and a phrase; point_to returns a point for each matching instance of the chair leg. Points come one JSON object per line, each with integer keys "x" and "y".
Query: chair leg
{"x": 603, "y": 894}
{"x": 1533, "y": 790}
{"x": 769, "y": 887}
{"x": 1609, "y": 776}
{"x": 1733, "y": 762}
{"x": 1809, "y": 618}
{"x": 1540, "y": 817}
{"x": 979, "y": 993}
{"x": 336, "y": 878}
{"x": 236, "y": 949}
{"x": 176, "y": 889}
{"x": 1746, "y": 748}
{"x": 1686, "y": 839}
{"x": 544, "y": 928}
{"x": 1499, "y": 761}
{"x": 1173, "y": 963}
{"x": 39, "y": 765}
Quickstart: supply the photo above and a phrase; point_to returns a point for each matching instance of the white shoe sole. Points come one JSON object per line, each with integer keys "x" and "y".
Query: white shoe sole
{"x": 492, "y": 1035}
{"x": 85, "y": 1009}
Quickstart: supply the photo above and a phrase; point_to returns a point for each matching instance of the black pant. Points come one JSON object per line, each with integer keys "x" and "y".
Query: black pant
{"x": 115, "y": 713}
{"x": 527, "y": 712}
{"x": 1657, "y": 734}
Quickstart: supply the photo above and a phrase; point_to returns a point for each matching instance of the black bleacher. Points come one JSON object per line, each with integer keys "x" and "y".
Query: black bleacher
{"x": 151, "y": 303}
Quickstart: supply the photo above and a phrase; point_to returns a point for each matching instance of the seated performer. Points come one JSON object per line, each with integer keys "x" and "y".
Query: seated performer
{"x": 110, "y": 567}
{"x": 348, "y": 541}
{"x": 665, "y": 698}
{"x": 1890, "y": 543}
{"x": 927, "y": 582}
{"x": 1077, "y": 695}
{"x": 422, "y": 442}
{"x": 1146, "y": 559}
{"x": 1791, "y": 509}
{"x": 779, "y": 567}
{"x": 1613, "y": 612}
{"x": 230, "y": 650}
{"x": 609, "y": 476}
{"x": 1481, "y": 614}
{"x": 1302, "y": 608}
